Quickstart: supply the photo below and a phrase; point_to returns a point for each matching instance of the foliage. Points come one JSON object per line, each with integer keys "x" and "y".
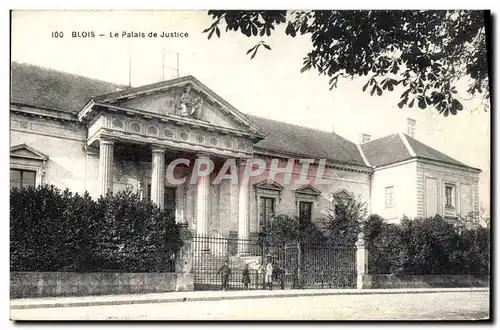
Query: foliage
{"x": 135, "y": 235}
{"x": 49, "y": 229}
{"x": 284, "y": 229}
{"x": 54, "y": 230}
{"x": 344, "y": 220}
{"x": 424, "y": 52}
{"x": 429, "y": 246}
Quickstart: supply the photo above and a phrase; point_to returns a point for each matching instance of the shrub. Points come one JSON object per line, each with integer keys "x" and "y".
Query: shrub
{"x": 429, "y": 246}
{"x": 134, "y": 235}
{"x": 49, "y": 229}
{"x": 343, "y": 221}
{"x": 284, "y": 229}
{"x": 53, "y": 230}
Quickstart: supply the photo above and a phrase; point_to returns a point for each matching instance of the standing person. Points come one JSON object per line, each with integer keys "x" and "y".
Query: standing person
{"x": 225, "y": 271}
{"x": 246, "y": 277}
{"x": 268, "y": 277}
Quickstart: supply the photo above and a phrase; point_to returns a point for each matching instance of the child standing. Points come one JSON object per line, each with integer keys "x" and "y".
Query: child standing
{"x": 246, "y": 277}
{"x": 225, "y": 271}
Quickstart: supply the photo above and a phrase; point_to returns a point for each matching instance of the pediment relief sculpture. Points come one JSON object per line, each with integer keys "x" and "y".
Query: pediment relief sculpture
{"x": 189, "y": 103}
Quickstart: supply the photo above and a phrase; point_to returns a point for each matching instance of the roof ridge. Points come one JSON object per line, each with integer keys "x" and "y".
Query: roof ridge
{"x": 407, "y": 144}
{"x": 67, "y": 73}
{"x": 363, "y": 155}
{"x": 382, "y": 137}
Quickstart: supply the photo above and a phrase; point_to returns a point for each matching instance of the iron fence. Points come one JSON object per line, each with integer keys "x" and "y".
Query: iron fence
{"x": 210, "y": 253}
{"x": 328, "y": 266}
{"x": 295, "y": 265}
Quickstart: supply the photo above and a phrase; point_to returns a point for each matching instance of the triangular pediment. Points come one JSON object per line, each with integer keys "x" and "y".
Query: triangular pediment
{"x": 184, "y": 97}
{"x": 25, "y": 151}
{"x": 341, "y": 194}
{"x": 308, "y": 190}
{"x": 269, "y": 185}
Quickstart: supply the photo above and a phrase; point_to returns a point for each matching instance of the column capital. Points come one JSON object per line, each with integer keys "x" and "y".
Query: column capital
{"x": 202, "y": 156}
{"x": 241, "y": 161}
{"x": 157, "y": 148}
{"x": 103, "y": 140}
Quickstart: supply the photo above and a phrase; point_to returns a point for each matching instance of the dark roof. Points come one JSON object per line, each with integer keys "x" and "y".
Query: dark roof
{"x": 386, "y": 150}
{"x": 424, "y": 151}
{"x": 391, "y": 149}
{"x": 302, "y": 141}
{"x": 46, "y": 88}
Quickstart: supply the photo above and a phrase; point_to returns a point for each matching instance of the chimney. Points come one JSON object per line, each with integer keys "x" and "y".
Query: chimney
{"x": 364, "y": 138}
{"x": 411, "y": 127}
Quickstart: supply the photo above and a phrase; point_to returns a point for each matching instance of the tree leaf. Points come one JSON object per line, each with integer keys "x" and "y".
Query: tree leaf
{"x": 411, "y": 103}
{"x": 290, "y": 30}
{"x": 421, "y": 103}
{"x": 251, "y": 49}
{"x": 255, "y": 52}
{"x": 402, "y": 103}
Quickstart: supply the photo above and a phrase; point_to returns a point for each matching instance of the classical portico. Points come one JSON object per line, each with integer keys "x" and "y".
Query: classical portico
{"x": 162, "y": 121}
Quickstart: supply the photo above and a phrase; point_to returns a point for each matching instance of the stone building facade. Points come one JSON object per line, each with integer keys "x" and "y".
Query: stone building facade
{"x": 88, "y": 135}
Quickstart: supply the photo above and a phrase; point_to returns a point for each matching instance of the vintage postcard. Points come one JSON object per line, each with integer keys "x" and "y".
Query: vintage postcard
{"x": 250, "y": 165}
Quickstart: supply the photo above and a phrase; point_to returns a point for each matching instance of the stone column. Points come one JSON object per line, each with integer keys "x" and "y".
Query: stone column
{"x": 243, "y": 214}
{"x": 363, "y": 279}
{"x": 202, "y": 195}
{"x": 180, "y": 202}
{"x": 158, "y": 176}
{"x": 106, "y": 147}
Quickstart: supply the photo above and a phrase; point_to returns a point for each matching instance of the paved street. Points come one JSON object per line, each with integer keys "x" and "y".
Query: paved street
{"x": 423, "y": 306}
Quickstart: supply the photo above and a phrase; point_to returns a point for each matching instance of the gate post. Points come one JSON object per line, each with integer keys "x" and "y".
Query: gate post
{"x": 363, "y": 279}
{"x": 299, "y": 264}
{"x": 184, "y": 262}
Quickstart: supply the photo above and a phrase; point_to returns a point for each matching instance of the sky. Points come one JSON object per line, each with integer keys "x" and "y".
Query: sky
{"x": 270, "y": 85}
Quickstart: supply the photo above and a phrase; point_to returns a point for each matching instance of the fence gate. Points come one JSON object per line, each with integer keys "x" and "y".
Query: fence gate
{"x": 328, "y": 267}
{"x": 295, "y": 265}
{"x": 209, "y": 254}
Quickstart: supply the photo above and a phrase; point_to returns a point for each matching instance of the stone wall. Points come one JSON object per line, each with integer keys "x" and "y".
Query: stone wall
{"x": 40, "y": 284}
{"x": 428, "y": 281}
{"x": 441, "y": 174}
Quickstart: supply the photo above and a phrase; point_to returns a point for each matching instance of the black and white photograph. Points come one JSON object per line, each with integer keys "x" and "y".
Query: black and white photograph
{"x": 250, "y": 165}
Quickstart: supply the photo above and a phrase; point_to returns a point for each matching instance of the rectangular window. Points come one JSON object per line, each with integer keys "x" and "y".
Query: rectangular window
{"x": 389, "y": 196}
{"x": 22, "y": 178}
{"x": 267, "y": 209}
{"x": 449, "y": 194}
{"x": 305, "y": 211}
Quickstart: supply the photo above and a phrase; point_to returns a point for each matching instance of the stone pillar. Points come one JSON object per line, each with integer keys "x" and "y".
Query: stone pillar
{"x": 184, "y": 262}
{"x": 243, "y": 214}
{"x": 106, "y": 148}
{"x": 184, "y": 257}
{"x": 202, "y": 195}
{"x": 363, "y": 279}
{"x": 158, "y": 176}
{"x": 180, "y": 202}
